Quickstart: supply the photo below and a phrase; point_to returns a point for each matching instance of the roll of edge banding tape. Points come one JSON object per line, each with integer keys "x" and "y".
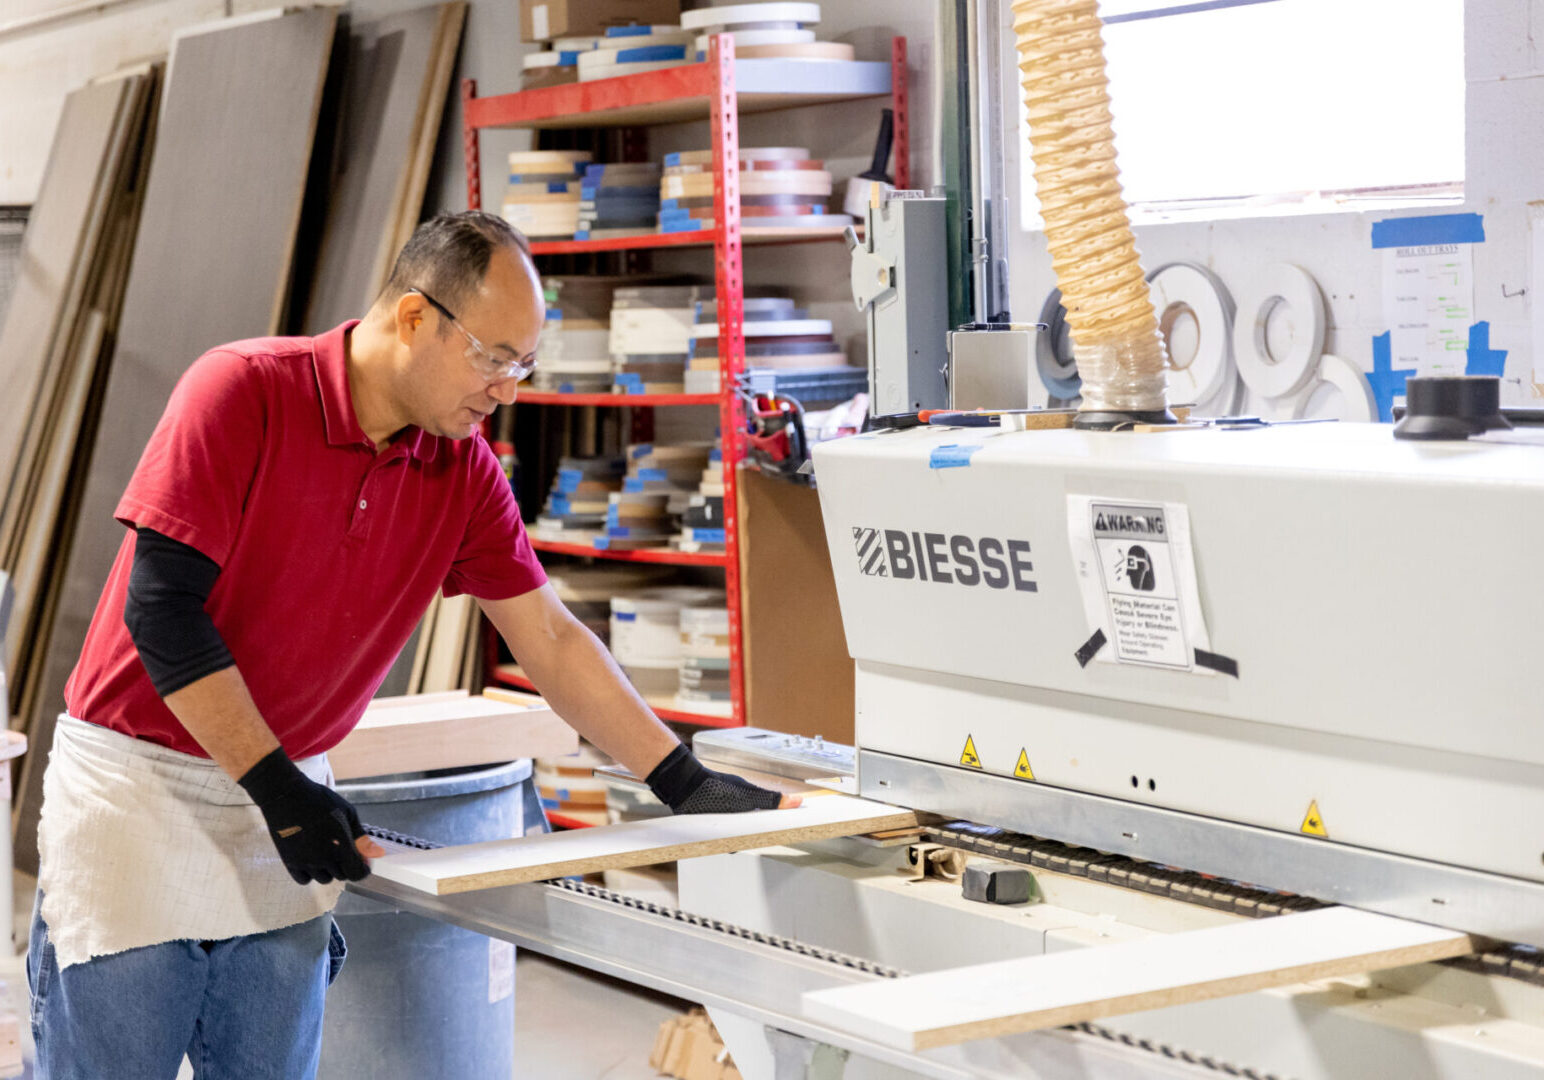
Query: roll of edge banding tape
{"x": 1269, "y": 376}
{"x": 1355, "y": 391}
{"x": 805, "y": 14}
{"x": 1181, "y": 287}
{"x": 1053, "y": 351}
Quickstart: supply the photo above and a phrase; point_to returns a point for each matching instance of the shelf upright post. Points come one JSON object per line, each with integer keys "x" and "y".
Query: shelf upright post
{"x": 729, "y": 297}
{"x": 900, "y": 105}
{"x": 469, "y": 151}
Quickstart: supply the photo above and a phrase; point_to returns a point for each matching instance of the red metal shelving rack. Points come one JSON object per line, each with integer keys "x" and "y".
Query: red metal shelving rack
{"x": 668, "y": 96}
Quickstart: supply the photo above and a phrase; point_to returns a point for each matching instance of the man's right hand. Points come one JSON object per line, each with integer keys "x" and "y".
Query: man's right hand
{"x": 315, "y": 830}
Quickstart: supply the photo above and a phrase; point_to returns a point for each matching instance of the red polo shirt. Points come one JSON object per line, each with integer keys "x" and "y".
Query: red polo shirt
{"x": 329, "y": 552}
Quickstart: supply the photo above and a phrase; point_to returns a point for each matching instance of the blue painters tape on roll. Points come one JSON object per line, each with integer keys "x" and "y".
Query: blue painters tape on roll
{"x": 629, "y": 31}
{"x": 581, "y": 234}
{"x": 672, "y": 159}
{"x": 632, "y": 485}
{"x": 558, "y": 188}
{"x": 600, "y": 543}
{"x": 716, "y": 455}
{"x": 1481, "y": 359}
{"x": 566, "y": 388}
{"x": 668, "y": 204}
{"x": 618, "y": 532}
{"x": 1428, "y": 229}
{"x": 1387, "y": 384}
{"x": 635, "y": 389}
{"x": 561, "y": 506}
{"x": 707, "y": 536}
{"x": 951, "y": 456}
{"x": 656, "y": 475}
{"x": 642, "y": 450}
{"x": 627, "y": 378}
{"x": 647, "y": 53}
{"x": 554, "y": 313}
{"x": 571, "y": 474}
{"x": 568, "y": 59}
{"x": 688, "y": 225}
{"x": 625, "y": 616}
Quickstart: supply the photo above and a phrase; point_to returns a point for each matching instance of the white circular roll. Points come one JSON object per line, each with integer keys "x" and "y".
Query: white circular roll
{"x": 769, "y": 328}
{"x": 1227, "y": 401}
{"x": 731, "y": 14}
{"x": 762, "y": 37}
{"x": 1182, "y": 287}
{"x": 1343, "y": 393}
{"x": 1281, "y": 284}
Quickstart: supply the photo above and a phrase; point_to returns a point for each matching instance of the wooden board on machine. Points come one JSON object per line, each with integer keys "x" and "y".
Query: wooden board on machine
{"x": 984, "y": 1001}
{"x": 635, "y": 843}
{"x": 211, "y": 263}
{"x": 418, "y": 732}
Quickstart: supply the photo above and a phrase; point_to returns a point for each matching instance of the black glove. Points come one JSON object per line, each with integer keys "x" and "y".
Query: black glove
{"x": 312, "y": 826}
{"x": 683, "y": 784}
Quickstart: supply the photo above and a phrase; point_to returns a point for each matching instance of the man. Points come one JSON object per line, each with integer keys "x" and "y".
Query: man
{"x": 296, "y": 509}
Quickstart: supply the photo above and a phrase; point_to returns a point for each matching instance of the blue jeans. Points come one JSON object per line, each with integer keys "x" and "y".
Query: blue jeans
{"x": 245, "y": 1007}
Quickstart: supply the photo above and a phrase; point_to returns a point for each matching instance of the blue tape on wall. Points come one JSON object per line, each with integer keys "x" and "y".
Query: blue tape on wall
{"x": 1482, "y": 359}
{"x": 951, "y": 456}
{"x": 1428, "y": 229}
{"x": 1387, "y": 384}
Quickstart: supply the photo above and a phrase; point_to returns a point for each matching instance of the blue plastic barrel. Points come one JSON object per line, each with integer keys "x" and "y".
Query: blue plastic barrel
{"x": 419, "y": 998}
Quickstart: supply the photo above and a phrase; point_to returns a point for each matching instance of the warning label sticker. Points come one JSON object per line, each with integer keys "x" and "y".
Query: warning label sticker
{"x": 1313, "y": 821}
{"x": 1022, "y": 769}
{"x": 968, "y": 756}
{"x": 1137, "y": 576}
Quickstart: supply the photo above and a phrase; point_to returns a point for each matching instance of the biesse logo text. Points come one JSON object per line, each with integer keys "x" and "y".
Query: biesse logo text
{"x": 945, "y": 559}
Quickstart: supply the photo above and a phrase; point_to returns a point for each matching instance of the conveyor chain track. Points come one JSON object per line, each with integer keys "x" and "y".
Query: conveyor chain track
{"x": 1511, "y": 961}
{"x": 831, "y": 956}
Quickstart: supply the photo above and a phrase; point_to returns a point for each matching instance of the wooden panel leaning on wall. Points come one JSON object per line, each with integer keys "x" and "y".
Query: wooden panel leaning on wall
{"x": 396, "y": 73}
{"x": 211, "y": 264}
{"x": 53, "y": 346}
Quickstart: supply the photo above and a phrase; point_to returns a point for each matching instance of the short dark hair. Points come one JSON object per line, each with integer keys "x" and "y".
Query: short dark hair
{"x": 448, "y": 255}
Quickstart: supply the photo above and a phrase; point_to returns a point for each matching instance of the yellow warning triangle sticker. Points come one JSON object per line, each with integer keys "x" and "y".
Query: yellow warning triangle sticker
{"x": 1022, "y": 769}
{"x": 968, "y": 756}
{"x": 1313, "y": 821}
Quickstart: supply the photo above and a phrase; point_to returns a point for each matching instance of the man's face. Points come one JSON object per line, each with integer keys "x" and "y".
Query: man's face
{"x": 447, "y": 393}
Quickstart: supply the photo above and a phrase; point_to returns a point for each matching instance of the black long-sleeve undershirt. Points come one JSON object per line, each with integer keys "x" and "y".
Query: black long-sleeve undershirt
{"x": 169, "y": 585}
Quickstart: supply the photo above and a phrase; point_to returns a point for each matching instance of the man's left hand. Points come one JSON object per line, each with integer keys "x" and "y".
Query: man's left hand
{"x": 686, "y": 786}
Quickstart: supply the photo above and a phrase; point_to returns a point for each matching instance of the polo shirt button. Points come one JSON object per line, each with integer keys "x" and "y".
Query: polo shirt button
{"x": 362, "y": 504}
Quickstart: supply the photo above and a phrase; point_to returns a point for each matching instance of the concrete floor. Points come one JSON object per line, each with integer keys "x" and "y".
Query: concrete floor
{"x": 570, "y": 1024}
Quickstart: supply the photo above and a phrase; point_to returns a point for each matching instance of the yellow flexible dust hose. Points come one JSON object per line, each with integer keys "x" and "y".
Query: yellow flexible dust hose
{"x": 1116, "y": 342}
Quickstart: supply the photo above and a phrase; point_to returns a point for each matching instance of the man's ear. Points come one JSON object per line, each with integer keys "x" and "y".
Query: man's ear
{"x": 409, "y": 317}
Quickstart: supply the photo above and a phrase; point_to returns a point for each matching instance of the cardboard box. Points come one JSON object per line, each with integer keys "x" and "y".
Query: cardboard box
{"x": 543, "y": 20}
{"x": 798, "y": 673}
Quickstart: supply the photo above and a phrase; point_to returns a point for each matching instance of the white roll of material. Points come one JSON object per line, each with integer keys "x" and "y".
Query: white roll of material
{"x": 802, "y": 14}
{"x": 1185, "y": 288}
{"x": 1286, "y": 296}
{"x": 1342, "y": 393}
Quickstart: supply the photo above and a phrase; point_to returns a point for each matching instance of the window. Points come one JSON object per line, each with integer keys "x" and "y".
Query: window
{"x": 1269, "y": 106}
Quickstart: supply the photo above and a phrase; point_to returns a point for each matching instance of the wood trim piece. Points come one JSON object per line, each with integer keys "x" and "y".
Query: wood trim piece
{"x": 446, "y": 731}
{"x": 635, "y": 843}
{"x": 985, "y": 1001}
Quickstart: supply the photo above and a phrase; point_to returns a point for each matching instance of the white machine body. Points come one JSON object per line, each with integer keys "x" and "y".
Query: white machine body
{"x": 1383, "y": 602}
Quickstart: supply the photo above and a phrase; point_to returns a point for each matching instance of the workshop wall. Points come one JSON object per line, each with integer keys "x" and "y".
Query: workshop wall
{"x": 48, "y": 47}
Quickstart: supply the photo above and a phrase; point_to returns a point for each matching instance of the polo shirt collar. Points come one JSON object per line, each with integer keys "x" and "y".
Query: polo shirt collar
{"x": 329, "y": 354}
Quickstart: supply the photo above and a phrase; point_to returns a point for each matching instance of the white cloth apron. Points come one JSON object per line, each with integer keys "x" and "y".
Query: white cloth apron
{"x": 140, "y": 844}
